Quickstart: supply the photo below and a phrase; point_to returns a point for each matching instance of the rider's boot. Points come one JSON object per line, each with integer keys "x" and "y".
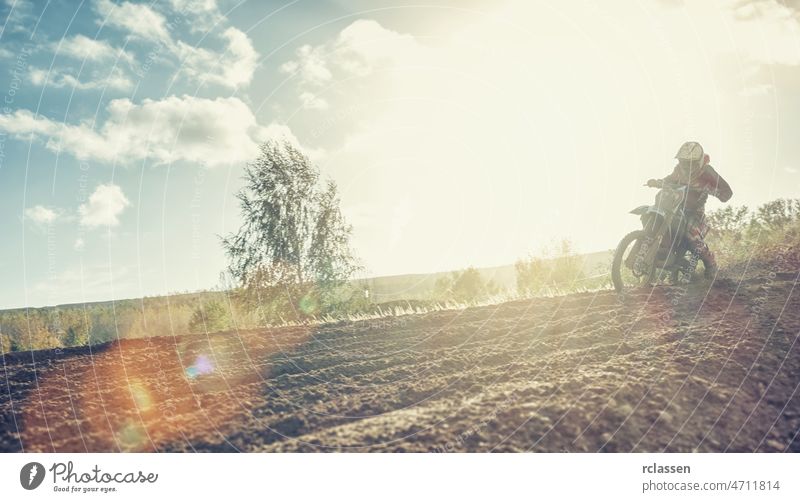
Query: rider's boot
{"x": 695, "y": 233}
{"x": 709, "y": 262}
{"x": 711, "y": 270}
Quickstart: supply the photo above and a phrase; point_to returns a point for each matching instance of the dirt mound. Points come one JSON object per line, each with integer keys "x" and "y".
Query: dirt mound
{"x": 702, "y": 368}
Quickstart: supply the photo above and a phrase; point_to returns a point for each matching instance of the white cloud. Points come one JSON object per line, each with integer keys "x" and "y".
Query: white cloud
{"x": 233, "y": 68}
{"x": 766, "y": 31}
{"x": 358, "y": 50}
{"x": 20, "y": 16}
{"x": 310, "y": 65}
{"x": 37, "y": 76}
{"x": 210, "y": 132}
{"x": 41, "y": 215}
{"x": 116, "y": 79}
{"x": 366, "y": 43}
{"x": 204, "y": 13}
{"x": 82, "y": 47}
{"x": 311, "y": 101}
{"x": 138, "y": 19}
{"x": 104, "y": 207}
{"x": 96, "y": 75}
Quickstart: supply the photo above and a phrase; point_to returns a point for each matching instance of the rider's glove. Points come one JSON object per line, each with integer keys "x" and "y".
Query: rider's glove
{"x": 653, "y": 183}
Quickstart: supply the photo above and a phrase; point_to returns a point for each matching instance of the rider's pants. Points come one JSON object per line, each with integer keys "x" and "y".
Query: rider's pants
{"x": 696, "y": 231}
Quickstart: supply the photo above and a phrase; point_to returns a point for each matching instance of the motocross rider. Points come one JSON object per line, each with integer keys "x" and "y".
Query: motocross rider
{"x": 694, "y": 171}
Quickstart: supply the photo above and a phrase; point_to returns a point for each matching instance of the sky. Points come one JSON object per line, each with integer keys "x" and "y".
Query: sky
{"x": 460, "y": 133}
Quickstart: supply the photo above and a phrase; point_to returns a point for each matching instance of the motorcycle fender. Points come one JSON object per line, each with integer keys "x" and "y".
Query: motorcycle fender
{"x": 640, "y": 210}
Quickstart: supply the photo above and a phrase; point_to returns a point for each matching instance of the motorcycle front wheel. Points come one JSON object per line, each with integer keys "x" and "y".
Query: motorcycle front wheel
{"x": 621, "y": 274}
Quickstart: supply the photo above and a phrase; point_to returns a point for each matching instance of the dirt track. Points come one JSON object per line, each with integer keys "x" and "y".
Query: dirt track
{"x": 667, "y": 369}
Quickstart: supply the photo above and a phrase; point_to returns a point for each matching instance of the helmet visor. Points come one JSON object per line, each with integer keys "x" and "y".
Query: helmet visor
{"x": 689, "y": 168}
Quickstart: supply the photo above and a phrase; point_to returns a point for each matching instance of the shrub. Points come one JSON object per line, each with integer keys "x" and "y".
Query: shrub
{"x": 738, "y": 235}
{"x": 466, "y": 286}
{"x": 532, "y": 273}
{"x": 210, "y": 317}
{"x": 556, "y": 267}
{"x": 6, "y": 345}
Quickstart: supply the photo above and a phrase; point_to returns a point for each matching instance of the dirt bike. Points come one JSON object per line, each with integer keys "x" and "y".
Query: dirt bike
{"x": 660, "y": 249}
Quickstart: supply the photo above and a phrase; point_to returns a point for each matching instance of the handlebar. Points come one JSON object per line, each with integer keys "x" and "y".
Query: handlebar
{"x": 664, "y": 184}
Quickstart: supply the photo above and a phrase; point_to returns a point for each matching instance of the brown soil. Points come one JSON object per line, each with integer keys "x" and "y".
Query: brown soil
{"x": 666, "y": 369}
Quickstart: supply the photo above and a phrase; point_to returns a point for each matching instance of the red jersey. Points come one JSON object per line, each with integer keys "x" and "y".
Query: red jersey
{"x": 709, "y": 180}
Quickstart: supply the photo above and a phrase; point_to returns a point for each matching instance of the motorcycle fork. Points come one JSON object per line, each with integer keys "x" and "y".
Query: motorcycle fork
{"x": 633, "y": 256}
{"x": 650, "y": 253}
{"x": 644, "y": 253}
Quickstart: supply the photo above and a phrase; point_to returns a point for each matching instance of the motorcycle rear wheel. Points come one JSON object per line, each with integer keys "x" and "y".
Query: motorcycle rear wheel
{"x": 623, "y": 277}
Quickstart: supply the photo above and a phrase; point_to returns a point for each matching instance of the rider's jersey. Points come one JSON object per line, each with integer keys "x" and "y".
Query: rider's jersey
{"x": 709, "y": 180}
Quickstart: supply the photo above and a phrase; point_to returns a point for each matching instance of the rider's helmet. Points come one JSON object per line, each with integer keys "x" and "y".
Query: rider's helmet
{"x": 691, "y": 160}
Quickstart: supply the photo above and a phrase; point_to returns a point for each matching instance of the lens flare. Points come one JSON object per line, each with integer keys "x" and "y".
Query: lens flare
{"x": 151, "y": 394}
{"x": 141, "y": 397}
{"x": 202, "y": 366}
{"x": 131, "y": 437}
